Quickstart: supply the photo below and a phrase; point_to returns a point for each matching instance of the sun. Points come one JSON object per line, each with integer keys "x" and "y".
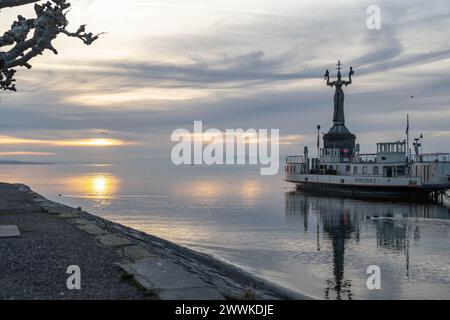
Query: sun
{"x": 98, "y": 142}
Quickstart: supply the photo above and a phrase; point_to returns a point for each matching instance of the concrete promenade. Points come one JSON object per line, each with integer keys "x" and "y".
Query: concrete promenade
{"x": 115, "y": 262}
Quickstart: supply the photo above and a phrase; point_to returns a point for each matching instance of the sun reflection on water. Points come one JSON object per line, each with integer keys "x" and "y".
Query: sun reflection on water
{"x": 211, "y": 190}
{"x": 99, "y": 185}
{"x": 95, "y": 185}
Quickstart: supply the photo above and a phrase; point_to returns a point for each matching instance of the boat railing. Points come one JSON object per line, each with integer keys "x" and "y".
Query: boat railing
{"x": 433, "y": 157}
{"x": 295, "y": 159}
{"x": 366, "y": 158}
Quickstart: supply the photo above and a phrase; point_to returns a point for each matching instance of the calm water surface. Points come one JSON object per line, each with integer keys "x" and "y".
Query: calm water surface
{"x": 315, "y": 245}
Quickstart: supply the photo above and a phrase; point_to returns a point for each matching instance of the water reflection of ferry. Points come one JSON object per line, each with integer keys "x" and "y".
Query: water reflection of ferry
{"x": 339, "y": 220}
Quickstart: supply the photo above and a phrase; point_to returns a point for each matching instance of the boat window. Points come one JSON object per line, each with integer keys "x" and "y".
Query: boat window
{"x": 387, "y": 172}
{"x": 364, "y": 170}
{"x": 348, "y": 168}
{"x": 355, "y": 170}
{"x": 375, "y": 171}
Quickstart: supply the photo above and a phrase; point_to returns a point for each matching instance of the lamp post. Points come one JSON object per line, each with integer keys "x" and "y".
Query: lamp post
{"x": 318, "y": 141}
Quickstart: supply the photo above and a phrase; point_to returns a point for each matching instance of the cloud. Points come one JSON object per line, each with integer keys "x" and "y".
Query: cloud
{"x": 151, "y": 75}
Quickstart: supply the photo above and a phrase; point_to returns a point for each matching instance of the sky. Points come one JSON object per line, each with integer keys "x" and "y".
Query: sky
{"x": 232, "y": 64}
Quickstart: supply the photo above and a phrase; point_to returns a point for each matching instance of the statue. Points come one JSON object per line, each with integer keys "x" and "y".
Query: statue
{"x": 338, "y": 115}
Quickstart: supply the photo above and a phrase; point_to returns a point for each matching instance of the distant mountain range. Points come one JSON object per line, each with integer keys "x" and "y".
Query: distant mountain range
{"x": 9, "y": 162}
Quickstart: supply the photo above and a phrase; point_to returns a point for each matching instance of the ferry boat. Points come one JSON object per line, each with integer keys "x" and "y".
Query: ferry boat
{"x": 391, "y": 172}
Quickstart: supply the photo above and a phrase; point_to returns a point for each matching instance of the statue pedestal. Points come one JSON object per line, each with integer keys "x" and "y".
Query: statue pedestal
{"x": 339, "y": 137}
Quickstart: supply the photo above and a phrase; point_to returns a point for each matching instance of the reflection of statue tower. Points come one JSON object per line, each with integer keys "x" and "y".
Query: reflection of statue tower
{"x": 339, "y": 228}
{"x": 337, "y": 222}
{"x": 339, "y": 137}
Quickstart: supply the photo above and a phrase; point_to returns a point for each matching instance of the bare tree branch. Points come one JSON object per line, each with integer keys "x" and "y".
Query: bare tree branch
{"x": 28, "y": 38}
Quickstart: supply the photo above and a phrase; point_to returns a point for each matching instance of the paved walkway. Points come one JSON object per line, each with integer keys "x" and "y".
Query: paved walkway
{"x": 113, "y": 266}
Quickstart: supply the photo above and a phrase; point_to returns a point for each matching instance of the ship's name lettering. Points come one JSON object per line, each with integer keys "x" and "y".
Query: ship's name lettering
{"x": 365, "y": 180}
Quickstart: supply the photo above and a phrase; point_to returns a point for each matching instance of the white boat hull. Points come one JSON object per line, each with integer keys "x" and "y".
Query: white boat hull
{"x": 366, "y": 187}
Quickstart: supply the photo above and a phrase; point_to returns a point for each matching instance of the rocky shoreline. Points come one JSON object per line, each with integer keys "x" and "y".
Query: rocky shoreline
{"x": 159, "y": 268}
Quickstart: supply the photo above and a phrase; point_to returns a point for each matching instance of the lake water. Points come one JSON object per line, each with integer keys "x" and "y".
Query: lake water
{"x": 318, "y": 246}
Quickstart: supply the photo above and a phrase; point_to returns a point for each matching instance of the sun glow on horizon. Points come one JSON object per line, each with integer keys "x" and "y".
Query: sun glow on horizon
{"x": 96, "y": 142}
{"x": 99, "y": 142}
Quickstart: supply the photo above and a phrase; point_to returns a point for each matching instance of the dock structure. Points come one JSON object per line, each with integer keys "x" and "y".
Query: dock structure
{"x": 391, "y": 172}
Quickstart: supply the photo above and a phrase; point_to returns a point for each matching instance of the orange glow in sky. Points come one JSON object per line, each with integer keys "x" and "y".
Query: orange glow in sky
{"x": 25, "y": 153}
{"x": 8, "y": 140}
